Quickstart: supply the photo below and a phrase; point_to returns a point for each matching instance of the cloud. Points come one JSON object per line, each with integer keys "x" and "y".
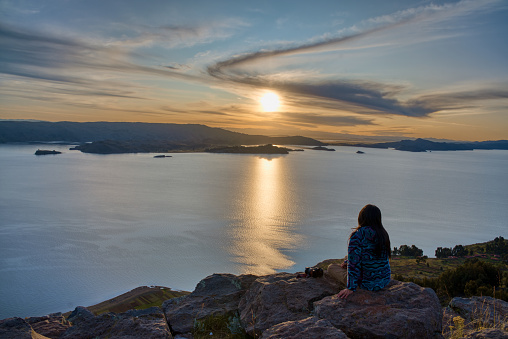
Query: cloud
{"x": 176, "y": 36}
{"x": 70, "y": 66}
{"x": 320, "y": 119}
{"x": 366, "y": 96}
{"x": 461, "y": 99}
{"x": 338, "y": 93}
{"x": 38, "y": 54}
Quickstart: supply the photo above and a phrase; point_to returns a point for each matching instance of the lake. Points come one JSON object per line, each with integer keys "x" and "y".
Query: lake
{"x": 77, "y": 229}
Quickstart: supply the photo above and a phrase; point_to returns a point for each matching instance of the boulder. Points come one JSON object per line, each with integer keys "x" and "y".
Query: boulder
{"x": 80, "y": 314}
{"x": 400, "y": 310}
{"x": 476, "y": 317}
{"x": 149, "y": 323}
{"x": 277, "y": 298}
{"x": 218, "y": 294}
{"x": 311, "y": 327}
{"x": 52, "y": 325}
{"x": 482, "y": 311}
{"x": 17, "y": 328}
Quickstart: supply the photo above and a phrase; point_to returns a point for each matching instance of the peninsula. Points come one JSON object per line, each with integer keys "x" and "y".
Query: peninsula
{"x": 422, "y": 145}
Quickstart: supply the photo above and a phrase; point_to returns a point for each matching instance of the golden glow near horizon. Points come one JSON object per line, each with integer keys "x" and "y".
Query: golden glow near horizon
{"x": 270, "y": 102}
{"x": 323, "y": 84}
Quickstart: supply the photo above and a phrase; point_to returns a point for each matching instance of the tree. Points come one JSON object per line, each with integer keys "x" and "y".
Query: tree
{"x": 405, "y": 250}
{"x": 459, "y": 251}
{"x": 443, "y": 252}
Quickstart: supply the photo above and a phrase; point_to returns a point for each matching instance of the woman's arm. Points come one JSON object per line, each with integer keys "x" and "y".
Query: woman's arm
{"x": 354, "y": 267}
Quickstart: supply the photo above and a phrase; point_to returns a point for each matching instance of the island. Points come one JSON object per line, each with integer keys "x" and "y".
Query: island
{"x": 322, "y": 148}
{"x": 264, "y": 149}
{"x": 45, "y": 152}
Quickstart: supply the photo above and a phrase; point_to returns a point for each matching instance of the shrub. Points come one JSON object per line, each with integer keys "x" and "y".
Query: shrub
{"x": 474, "y": 277}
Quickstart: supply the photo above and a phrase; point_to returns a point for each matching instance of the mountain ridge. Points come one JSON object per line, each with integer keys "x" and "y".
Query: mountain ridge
{"x": 82, "y": 132}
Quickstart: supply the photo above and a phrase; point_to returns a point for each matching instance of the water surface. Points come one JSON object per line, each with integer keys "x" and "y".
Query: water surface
{"x": 76, "y": 229}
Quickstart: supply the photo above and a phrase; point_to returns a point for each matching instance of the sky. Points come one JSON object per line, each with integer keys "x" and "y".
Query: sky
{"x": 324, "y": 69}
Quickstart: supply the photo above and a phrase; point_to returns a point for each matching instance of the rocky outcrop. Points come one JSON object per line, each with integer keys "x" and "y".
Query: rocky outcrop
{"x": 149, "y": 323}
{"x": 400, "y": 310}
{"x": 280, "y": 306}
{"x": 51, "y": 326}
{"x": 476, "y": 317}
{"x": 311, "y": 327}
{"x": 282, "y": 297}
{"x": 18, "y": 328}
{"x": 218, "y": 294}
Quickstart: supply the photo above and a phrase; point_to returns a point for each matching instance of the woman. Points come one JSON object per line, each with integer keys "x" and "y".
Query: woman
{"x": 368, "y": 265}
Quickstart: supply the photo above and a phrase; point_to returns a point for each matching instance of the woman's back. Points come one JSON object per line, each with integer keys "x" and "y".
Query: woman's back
{"x": 366, "y": 268}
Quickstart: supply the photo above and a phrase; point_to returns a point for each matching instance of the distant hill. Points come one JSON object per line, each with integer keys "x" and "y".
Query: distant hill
{"x": 422, "y": 145}
{"x": 189, "y": 134}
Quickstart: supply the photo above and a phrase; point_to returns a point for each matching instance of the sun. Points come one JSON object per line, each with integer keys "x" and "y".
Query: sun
{"x": 270, "y": 102}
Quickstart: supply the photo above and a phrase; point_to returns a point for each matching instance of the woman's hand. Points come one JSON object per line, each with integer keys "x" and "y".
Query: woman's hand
{"x": 345, "y": 293}
{"x": 344, "y": 264}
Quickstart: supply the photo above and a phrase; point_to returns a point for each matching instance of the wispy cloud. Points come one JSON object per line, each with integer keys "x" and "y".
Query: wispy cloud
{"x": 315, "y": 119}
{"x": 462, "y": 99}
{"x": 176, "y": 36}
{"x": 88, "y": 68}
{"x": 362, "y": 96}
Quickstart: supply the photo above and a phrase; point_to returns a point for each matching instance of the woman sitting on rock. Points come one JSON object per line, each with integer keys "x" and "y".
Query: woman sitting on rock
{"x": 368, "y": 265}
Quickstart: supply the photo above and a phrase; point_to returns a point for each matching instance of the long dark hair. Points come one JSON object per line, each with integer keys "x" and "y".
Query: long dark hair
{"x": 370, "y": 215}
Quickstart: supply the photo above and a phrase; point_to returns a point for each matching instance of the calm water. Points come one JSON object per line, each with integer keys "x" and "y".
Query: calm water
{"x": 76, "y": 229}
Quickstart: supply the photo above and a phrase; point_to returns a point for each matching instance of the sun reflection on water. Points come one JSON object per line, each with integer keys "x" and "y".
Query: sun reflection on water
{"x": 262, "y": 219}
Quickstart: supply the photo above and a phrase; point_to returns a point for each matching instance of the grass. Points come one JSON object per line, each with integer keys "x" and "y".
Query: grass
{"x": 139, "y": 298}
{"x": 481, "y": 318}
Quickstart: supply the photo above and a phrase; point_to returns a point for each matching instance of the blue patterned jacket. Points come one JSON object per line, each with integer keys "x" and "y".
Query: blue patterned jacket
{"x": 365, "y": 269}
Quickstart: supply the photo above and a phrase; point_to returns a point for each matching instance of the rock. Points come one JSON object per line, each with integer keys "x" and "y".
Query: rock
{"x": 17, "y": 328}
{"x": 149, "y": 323}
{"x": 477, "y": 317}
{"x": 52, "y": 325}
{"x": 488, "y": 333}
{"x": 218, "y": 294}
{"x": 311, "y": 327}
{"x": 281, "y": 297}
{"x": 484, "y": 311}
{"x": 400, "y": 310}
{"x": 80, "y": 314}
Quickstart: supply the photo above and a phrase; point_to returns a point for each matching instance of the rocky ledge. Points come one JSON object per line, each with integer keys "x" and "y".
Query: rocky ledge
{"x": 273, "y": 306}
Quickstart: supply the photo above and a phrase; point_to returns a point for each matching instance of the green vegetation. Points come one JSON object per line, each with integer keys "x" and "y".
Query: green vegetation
{"x": 226, "y": 326}
{"x": 457, "y": 251}
{"x": 472, "y": 270}
{"x": 481, "y": 318}
{"x": 139, "y": 298}
{"x": 405, "y": 250}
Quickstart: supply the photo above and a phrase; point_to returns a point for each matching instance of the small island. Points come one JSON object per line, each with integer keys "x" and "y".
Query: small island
{"x": 162, "y": 156}
{"x": 264, "y": 149}
{"x": 322, "y": 148}
{"x": 45, "y": 152}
